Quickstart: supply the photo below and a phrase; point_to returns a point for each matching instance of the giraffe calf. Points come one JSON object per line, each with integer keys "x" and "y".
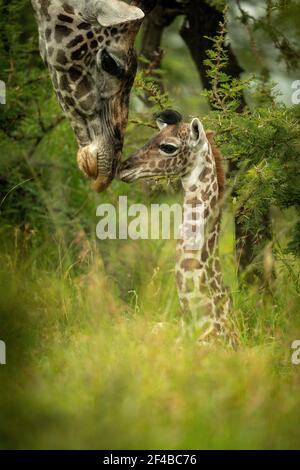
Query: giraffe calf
{"x": 186, "y": 150}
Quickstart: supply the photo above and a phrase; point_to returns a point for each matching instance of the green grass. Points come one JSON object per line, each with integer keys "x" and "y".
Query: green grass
{"x": 97, "y": 353}
{"x": 98, "y": 357}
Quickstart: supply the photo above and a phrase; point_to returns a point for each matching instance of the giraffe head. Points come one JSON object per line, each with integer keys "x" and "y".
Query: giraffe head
{"x": 174, "y": 151}
{"x": 88, "y": 46}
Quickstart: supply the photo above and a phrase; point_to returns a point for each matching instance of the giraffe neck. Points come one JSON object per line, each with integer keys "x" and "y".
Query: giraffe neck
{"x": 199, "y": 278}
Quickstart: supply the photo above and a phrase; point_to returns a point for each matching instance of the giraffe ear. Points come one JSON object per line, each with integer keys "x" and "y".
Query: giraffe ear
{"x": 196, "y": 132}
{"x": 114, "y": 12}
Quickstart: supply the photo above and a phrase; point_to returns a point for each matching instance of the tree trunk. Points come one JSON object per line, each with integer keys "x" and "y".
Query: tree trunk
{"x": 201, "y": 20}
{"x": 153, "y": 28}
{"x": 154, "y": 24}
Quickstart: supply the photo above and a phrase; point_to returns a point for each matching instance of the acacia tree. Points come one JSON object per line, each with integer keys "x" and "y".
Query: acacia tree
{"x": 262, "y": 143}
{"x": 201, "y": 21}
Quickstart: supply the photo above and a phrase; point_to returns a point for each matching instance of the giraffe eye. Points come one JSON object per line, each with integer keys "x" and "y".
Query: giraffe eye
{"x": 168, "y": 148}
{"x": 110, "y": 65}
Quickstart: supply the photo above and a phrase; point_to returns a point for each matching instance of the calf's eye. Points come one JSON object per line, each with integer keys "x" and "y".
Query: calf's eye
{"x": 168, "y": 148}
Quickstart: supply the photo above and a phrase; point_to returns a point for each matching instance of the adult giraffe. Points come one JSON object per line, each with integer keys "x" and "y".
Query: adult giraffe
{"x": 88, "y": 46}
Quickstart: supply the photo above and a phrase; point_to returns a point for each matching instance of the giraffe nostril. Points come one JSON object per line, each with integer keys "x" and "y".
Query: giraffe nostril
{"x": 118, "y": 147}
{"x": 115, "y": 164}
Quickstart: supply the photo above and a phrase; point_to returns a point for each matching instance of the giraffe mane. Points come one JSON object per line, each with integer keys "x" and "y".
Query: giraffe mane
{"x": 218, "y": 160}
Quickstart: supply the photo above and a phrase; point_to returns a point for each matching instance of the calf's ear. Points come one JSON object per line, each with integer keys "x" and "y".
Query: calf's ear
{"x": 197, "y": 133}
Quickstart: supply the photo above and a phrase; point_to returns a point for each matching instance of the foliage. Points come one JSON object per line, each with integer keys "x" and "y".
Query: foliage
{"x": 226, "y": 92}
{"x": 85, "y": 371}
{"x": 25, "y": 76}
{"x": 278, "y": 19}
{"x": 262, "y": 139}
{"x": 92, "y": 328}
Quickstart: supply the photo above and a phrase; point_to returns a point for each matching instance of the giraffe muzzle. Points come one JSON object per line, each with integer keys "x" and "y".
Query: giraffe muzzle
{"x": 127, "y": 176}
{"x": 97, "y": 164}
{"x": 128, "y": 172}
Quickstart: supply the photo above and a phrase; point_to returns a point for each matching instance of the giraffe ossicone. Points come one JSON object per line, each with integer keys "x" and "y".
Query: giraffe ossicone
{"x": 88, "y": 46}
{"x": 186, "y": 150}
